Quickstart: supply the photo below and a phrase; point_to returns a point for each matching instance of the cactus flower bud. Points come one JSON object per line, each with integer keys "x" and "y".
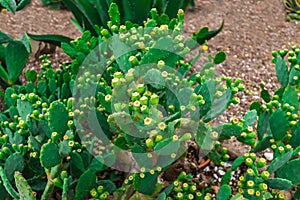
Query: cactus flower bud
{"x": 265, "y": 175}
{"x": 154, "y": 99}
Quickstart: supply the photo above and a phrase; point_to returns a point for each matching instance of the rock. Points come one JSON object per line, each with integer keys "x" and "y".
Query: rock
{"x": 269, "y": 156}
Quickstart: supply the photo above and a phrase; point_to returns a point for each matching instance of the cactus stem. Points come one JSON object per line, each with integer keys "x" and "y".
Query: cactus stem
{"x": 50, "y": 185}
{"x": 7, "y": 185}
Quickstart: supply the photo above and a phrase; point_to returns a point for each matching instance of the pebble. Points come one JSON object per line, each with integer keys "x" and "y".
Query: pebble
{"x": 221, "y": 172}
{"x": 268, "y": 156}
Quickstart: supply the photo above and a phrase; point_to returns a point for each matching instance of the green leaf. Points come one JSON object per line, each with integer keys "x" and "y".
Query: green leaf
{"x": 201, "y": 40}
{"x": 173, "y": 7}
{"x": 86, "y": 182}
{"x": 51, "y": 39}
{"x": 250, "y": 118}
{"x": 290, "y": 96}
{"x": 279, "y": 162}
{"x": 290, "y": 171}
{"x": 9, "y": 5}
{"x": 219, "y": 106}
{"x": 50, "y": 155}
{"x": 14, "y": 162}
{"x": 26, "y": 42}
{"x": 220, "y": 57}
{"x": 58, "y": 118}
{"x": 229, "y": 130}
{"x": 24, "y": 108}
{"x": 4, "y": 38}
{"x": 282, "y": 72}
{"x": 262, "y": 126}
{"x": 145, "y": 185}
{"x": 16, "y": 58}
{"x": 278, "y": 124}
{"x": 237, "y": 162}
{"x": 224, "y": 192}
{"x": 108, "y": 185}
{"x": 22, "y": 4}
{"x": 3, "y": 74}
{"x": 279, "y": 183}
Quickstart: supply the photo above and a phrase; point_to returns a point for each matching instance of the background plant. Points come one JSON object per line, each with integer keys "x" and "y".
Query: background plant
{"x": 13, "y": 5}
{"x": 41, "y": 147}
{"x": 13, "y": 57}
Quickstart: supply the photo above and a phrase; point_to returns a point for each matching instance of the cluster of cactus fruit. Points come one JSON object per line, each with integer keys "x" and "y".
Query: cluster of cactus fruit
{"x": 112, "y": 126}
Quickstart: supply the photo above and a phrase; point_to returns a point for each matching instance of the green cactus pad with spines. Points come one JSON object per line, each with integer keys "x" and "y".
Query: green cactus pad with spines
{"x": 50, "y": 155}
{"x": 14, "y": 162}
{"x": 290, "y": 96}
{"x": 24, "y": 108}
{"x": 6, "y": 183}
{"x": 237, "y": 162}
{"x": 250, "y": 118}
{"x": 218, "y": 106}
{"x": 58, "y": 118}
{"x": 278, "y": 124}
{"x": 229, "y": 130}
{"x": 224, "y": 192}
{"x": 76, "y": 164}
{"x": 263, "y": 144}
{"x": 263, "y": 124}
{"x": 24, "y": 189}
{"x": 145, "y": 185}
{"x": 114, "y": 14}
{"x": 295, "y": 140}
{"x": 9, "y": 101}
{"x": 290, "y": 171}
{"x": 279, "y": 162}
{"x": 282, "y": 71}
{"x": 86, "y": 182}
{"x": 279, "y": 183}
{"x": 108, "y": 185}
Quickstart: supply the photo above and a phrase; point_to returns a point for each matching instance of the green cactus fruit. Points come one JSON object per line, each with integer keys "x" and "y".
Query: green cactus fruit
{"x": 290, "y": 171}
{"x": 279, "y": 183}
{"x": 86, "y": 182}
{"x": 50, "y": 155}
{"x": 224, "y": 192}
{"x": 6, "y": 183}
{"x": 14, "y": 162}
{"x": 24, "y": 189}
{"x": 279, "y": 162}
{"x": 58, "y": 118}
{"x": 145, "y": 182}
{"x": 278, "y": 124}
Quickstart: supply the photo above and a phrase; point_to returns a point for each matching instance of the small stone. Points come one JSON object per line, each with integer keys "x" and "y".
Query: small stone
{"x": 221, "y": 172}
{"x": 268, "y": 156}
{"x": 215, "y": 176}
